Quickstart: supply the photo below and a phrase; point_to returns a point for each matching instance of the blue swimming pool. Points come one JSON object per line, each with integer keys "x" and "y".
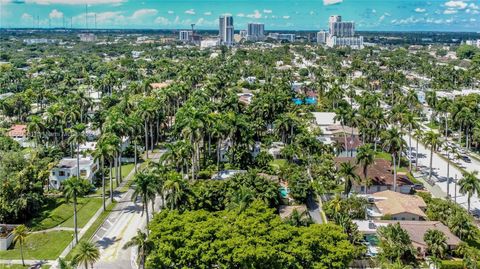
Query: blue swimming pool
{"x": 284, "y": 192}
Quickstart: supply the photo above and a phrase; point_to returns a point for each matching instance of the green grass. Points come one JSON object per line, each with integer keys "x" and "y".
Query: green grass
{"x": 126, "y": 168}
{"x": 432, "y": 125}
{"x": 19, "y": 266}
{"x": 278, "y": 163}
{"x": 41, "y": 246}
{"x": 96, "y": 224}
{"x": 383, "y": 155}
{"x": 59, "y": 213}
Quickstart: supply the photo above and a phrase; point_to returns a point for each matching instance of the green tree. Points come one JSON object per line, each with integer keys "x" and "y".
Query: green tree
{"x": 73, "y": 188}
{"x": 394, "y": 144}
{"x": 436, "y": 243}
{"x": 395, "y": 244}
{"x": 144, "y": 187}
{"x": 86, "y": 253}
{"x": 365, "y": 157}
{"x": 141, "y": 242}
{"x": 347, "y": 172}
{"x": 20, "y": 234}
{"x": 469, "y": 185}
{"x": 432, "y": 140}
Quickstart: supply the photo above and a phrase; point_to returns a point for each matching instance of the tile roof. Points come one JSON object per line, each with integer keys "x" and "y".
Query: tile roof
{"x": 392, "y": 203}
{"x": 18, "y": 130}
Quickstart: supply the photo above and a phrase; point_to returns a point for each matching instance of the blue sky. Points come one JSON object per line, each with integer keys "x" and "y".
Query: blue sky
{"x": 396, "y": 15}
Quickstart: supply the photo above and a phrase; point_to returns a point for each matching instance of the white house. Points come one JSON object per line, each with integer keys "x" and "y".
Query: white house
{"x": 6, "y": 236}
{"x": 67, "y": 167}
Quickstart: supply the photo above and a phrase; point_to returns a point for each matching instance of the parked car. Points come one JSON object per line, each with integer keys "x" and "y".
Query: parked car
{"x": 466, "y": 159}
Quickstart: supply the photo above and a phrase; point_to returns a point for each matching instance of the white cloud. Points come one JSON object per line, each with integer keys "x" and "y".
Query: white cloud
{"x": 456, "y": 4}
{"x": 472, "y": 11}
{"x": 381, "y": 18}
{"x": 331, "y": 2}
{"x": 374, "y": 11}
{"x": 55, "y": 14}
{"x": 208, "y": 13}
{"x": 255, "y": 15}
{"x": 420, "y": 10}
{"x": 450, "y": 11}
{"x": 286, "y": 17}
{"x": 190, "y": 11}
{"x": 473, "y": 6}
{"x": 161, "y": 21}
{"x": 144, "y": 13}
{"x": 170, "y": 12}
{"x": 74, "y": 2}
{"x": 241, "y": 15}
{"x": 267, "y": 11}
{"x": 26, "y": 17}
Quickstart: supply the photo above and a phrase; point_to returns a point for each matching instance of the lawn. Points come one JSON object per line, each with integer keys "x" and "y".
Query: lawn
{"x": 126, "y": 168}
{"x": 40, "y": 246}
{"x": 383, "y": 155}
{"x": 19, "y": 266}
{"x": 432, "y": 125}
{"x": 91, "y": 231}
{"x": 278, "y": 163}
{"x": 59, "y": 213}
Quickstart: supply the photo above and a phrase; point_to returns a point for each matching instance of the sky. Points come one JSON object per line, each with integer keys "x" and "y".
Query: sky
{"x": 376, "y": 15}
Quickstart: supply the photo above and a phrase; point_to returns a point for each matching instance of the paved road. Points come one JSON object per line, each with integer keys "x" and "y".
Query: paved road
{"x": 440, "y": 174}
{"x": 314, "y": 210}
{"x": 120, "y": 226}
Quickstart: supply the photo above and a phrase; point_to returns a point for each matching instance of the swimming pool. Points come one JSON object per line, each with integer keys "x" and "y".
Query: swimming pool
{"x": 284, "y": 192}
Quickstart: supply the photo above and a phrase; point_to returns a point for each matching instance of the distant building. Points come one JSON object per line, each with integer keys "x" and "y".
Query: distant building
{"x": 209, "y": 43}
{"x": 282, "y": 37}
{"x": 67, "y": 167}
{"x": 226, "y": 30}
{"x": 255, "y": 31}
{"x": 6, "y": 236}
{"x": 243, "y": 33}
{"x": 34, "y": 41}
{"x": 185, "y": 36}
{"x": 322, "y": 37}
{"x": 87, "y": 37}
{"x": 397, "y": 206}
{"x": 342, "y": 34}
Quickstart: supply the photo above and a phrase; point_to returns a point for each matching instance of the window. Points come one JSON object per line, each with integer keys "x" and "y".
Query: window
{"x": 362, "y": 188}
{"x": 68, "y": 174}
{"x": 403, "y": 218}
{"x": 394, "y": 218}
{"x": 413, "y": 218}
{"x": 53, "y": 173}
{"x": 378, "y": 188}
{"x": 61, "y": 173}
{"x": 83, "y": 173}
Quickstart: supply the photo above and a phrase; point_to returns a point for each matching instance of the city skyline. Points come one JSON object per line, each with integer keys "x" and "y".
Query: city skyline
{"x": 403, "y": 15}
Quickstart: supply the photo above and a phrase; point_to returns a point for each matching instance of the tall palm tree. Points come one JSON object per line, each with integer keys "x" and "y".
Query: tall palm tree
{"x": 436, "y": 243}
{"x": 432, "y": 140}
{"x": 73, "y": 188}
{"x": 347, "y": 172}
{"x": 410, "y": 122}
{"x": 469, "y": 185}
{"x": 241, "y": 199}
{"x": 144, "y": 187}
{"x": 101, "y": 152}
{"x": 35, "y": 128}
{"x": 87, "y": 254}
{"x": 20, "y": 234}
{"x": 365, "y": 157}
{"x": 393, "y": 143}
{"x": 77, "y": 136}
{"x": 141, "y": 242}
{"x": 175, "y": 187}
{"x": 418, "y": 135}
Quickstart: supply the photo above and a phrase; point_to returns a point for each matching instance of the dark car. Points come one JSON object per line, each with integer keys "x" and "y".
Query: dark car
{"x": 418, "y": 187}
{"x": 466, "y": 159}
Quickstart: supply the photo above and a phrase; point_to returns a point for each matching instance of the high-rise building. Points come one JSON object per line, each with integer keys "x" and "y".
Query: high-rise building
{"x": 342, "y": 33}
{"x": 282, "y": 37}
{"x": 322, "y": 37}
{"x": 255, "y": 31}
{"x": 185, "y": 36}
{"x": 226, "y": 30}
{"x": 341, "y": 28}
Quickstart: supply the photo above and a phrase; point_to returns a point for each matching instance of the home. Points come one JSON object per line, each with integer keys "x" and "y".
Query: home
{"x": 397, "y": 206}
{"x": 226, "y": 145}
{"x": 67, "y": 167}
{"x": 276, "y": 149}
{"x": 380, "y": 177}
{"x": 324, "y": 119}
{"x": 415, "y": 229}
{"x": 18, "y": 133}
{"x": 6, "y": 236}
{"x": 226, "y": 174}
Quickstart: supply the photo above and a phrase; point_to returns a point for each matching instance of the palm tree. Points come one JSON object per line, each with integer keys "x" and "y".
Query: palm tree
{"x": 469, "y": 185}
{"x": 411, "y": 122}
{"x": 175, "y": 187}
{"x": 20, "y": 234}
{"x": 74, "y": 188}
{"x": 87, "y": 254}
{"x": 144, "y": 187}
{"x": 432, "y": 140}
{"x": 77, "y": 136}
{"x": 241, "y": 199}
{"x": 347, "y": 172}
{"x": 418, "y": 135}
{"x": 35, "y": 128}
{"x": 436, "y": 243}
{"x": 141, "y": 242}
{"x": 365, "y": 157}
{"x": 101, "y": 152}
{"x": 393, "y": 143}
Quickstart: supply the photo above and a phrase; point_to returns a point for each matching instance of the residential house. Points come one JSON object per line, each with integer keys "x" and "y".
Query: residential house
{"x": 6, "y": 236}
{"x": 226, "y": 174}
{"x": 397, "y": 206}
{"x": 380, "y": 176}
{"x": 67, "y": 167}
{"x": 415, "y": 229}
{"x": 18, "y": 133}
